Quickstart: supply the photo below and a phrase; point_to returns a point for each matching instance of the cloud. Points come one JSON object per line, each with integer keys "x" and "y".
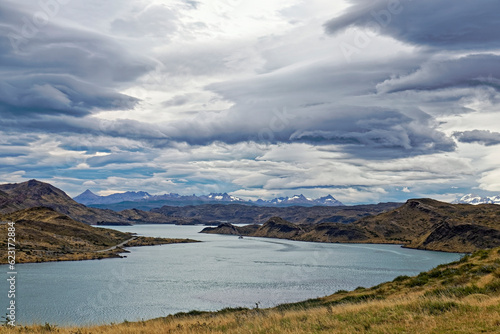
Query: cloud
{"x": 469, "y": 71}
{"x": 378, "y": 128}
{"x": 319, "y": 108}
{"x": 442, "y": 24}
{"x": 155, "y": 20}
{"x": 53, "y": 67}
{"x": 190, "y": 97}
{"x": 483, "y": 137}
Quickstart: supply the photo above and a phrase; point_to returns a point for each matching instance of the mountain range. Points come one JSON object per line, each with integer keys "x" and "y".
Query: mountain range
{"x": 129, "y": 199}
{"x": 475, "y": 199}
{"x": 33, "y": 193}
{"x": 419, "y": 223}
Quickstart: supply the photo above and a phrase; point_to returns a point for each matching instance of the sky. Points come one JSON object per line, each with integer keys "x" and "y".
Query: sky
{"x": 367, "y": 100}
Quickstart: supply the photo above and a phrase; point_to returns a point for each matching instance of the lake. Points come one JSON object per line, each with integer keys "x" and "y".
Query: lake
{"x": 222, "y": 271}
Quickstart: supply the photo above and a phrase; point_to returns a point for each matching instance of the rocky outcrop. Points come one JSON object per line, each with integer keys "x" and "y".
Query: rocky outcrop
{"x": 420, "y": 223}
{"x": 33, "y": 193}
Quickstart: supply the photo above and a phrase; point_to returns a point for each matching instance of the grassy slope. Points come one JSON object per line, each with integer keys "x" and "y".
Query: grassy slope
{"x": 419, "y": 223}
{"x": 18, "y": 196}
{"x": 435, "y": 225}
{"x": 461, "y": 297}
{"x": 43, "y": 234}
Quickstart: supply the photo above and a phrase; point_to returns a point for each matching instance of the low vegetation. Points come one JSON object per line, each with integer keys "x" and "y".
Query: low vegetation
{"x": 419, "y": 223}
{"x": 460, "y": 297}
{"x": 43, "y": 234}
{"x": 150, "y": 241}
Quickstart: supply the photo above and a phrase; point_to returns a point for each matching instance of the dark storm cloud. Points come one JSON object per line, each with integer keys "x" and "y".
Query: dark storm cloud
{"x": 483, "y": 137}
{"x": 375, "y": 128}
{"x": 48, "y": 68}
{"x": 446, "y": 24}
{"x": 467, "y": 71}
{"x": 121, "y": 128}
{"x": 57, "y": 94}
{"x": 320, "y": 108}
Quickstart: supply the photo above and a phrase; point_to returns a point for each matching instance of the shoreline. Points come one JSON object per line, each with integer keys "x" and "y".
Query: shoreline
{"x": 403, "y": 245}
{"x": 113, "y": 252}
{"x": 395, "y": 294}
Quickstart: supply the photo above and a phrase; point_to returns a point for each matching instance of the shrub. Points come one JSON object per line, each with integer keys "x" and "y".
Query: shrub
{"x": 461, "y": 291}
{"x": 421, "y": 279}
{"x": 438, "y": 307}
{"x": 401, "y": 278}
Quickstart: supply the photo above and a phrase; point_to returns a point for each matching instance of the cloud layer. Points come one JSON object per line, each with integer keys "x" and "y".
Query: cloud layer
{"x": 440, "y": 24}
{"x": 259, "y": 99}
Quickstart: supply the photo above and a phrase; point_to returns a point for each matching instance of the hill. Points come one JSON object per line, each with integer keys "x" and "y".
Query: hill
{"x": 43, "y": 234}
{"x": 434, "y": 225}
{"x": 245, "y": 214}
{"x": 460, "y": 297}
{"x": 33, "y": 193}
{"x": 419, "y": 223}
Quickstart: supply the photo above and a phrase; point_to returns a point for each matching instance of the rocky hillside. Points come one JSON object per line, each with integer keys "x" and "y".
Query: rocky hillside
{"x": 419, "y": 223}
{"x": 43, "y": 234}
{"x": 430, "y": 224}
{"x": 33, "y": 193}
{"x": 244, "y": 214}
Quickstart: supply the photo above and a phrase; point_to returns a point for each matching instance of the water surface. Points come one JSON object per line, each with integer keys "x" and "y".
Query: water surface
{"x": 222, "y": 271}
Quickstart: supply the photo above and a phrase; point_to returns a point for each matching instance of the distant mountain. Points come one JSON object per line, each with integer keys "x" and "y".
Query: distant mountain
{"x": 475, "y": 200}
{"x": 300, "y": 200}
{"x": 328, "y": 201}
{"x": 33, "y": 193}
{"x": 252, "y": 214}
{"x": 88, "y": 197}
{"x": 221, "y": 198}
{"x": 419, "y": 223}
{"x": 143, "y": 200}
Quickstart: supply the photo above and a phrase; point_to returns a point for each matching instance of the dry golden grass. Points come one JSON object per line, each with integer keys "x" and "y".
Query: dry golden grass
{"x": 44, "y": 235}
{"x": 462, "y": 297}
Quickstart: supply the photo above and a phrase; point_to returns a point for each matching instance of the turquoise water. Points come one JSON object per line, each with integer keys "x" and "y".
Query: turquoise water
{"x": 222, "y": 271}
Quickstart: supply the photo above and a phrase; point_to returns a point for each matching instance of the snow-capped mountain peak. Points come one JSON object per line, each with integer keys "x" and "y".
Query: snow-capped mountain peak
{"x": 475, "y": 199}
{"x": 225, "y": 197}
{"x": 89, "y": 198}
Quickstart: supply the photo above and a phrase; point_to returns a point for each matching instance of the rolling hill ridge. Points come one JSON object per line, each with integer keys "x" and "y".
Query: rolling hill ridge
{"x": 419, "y": 223}
{"x": 33, "y": 193}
